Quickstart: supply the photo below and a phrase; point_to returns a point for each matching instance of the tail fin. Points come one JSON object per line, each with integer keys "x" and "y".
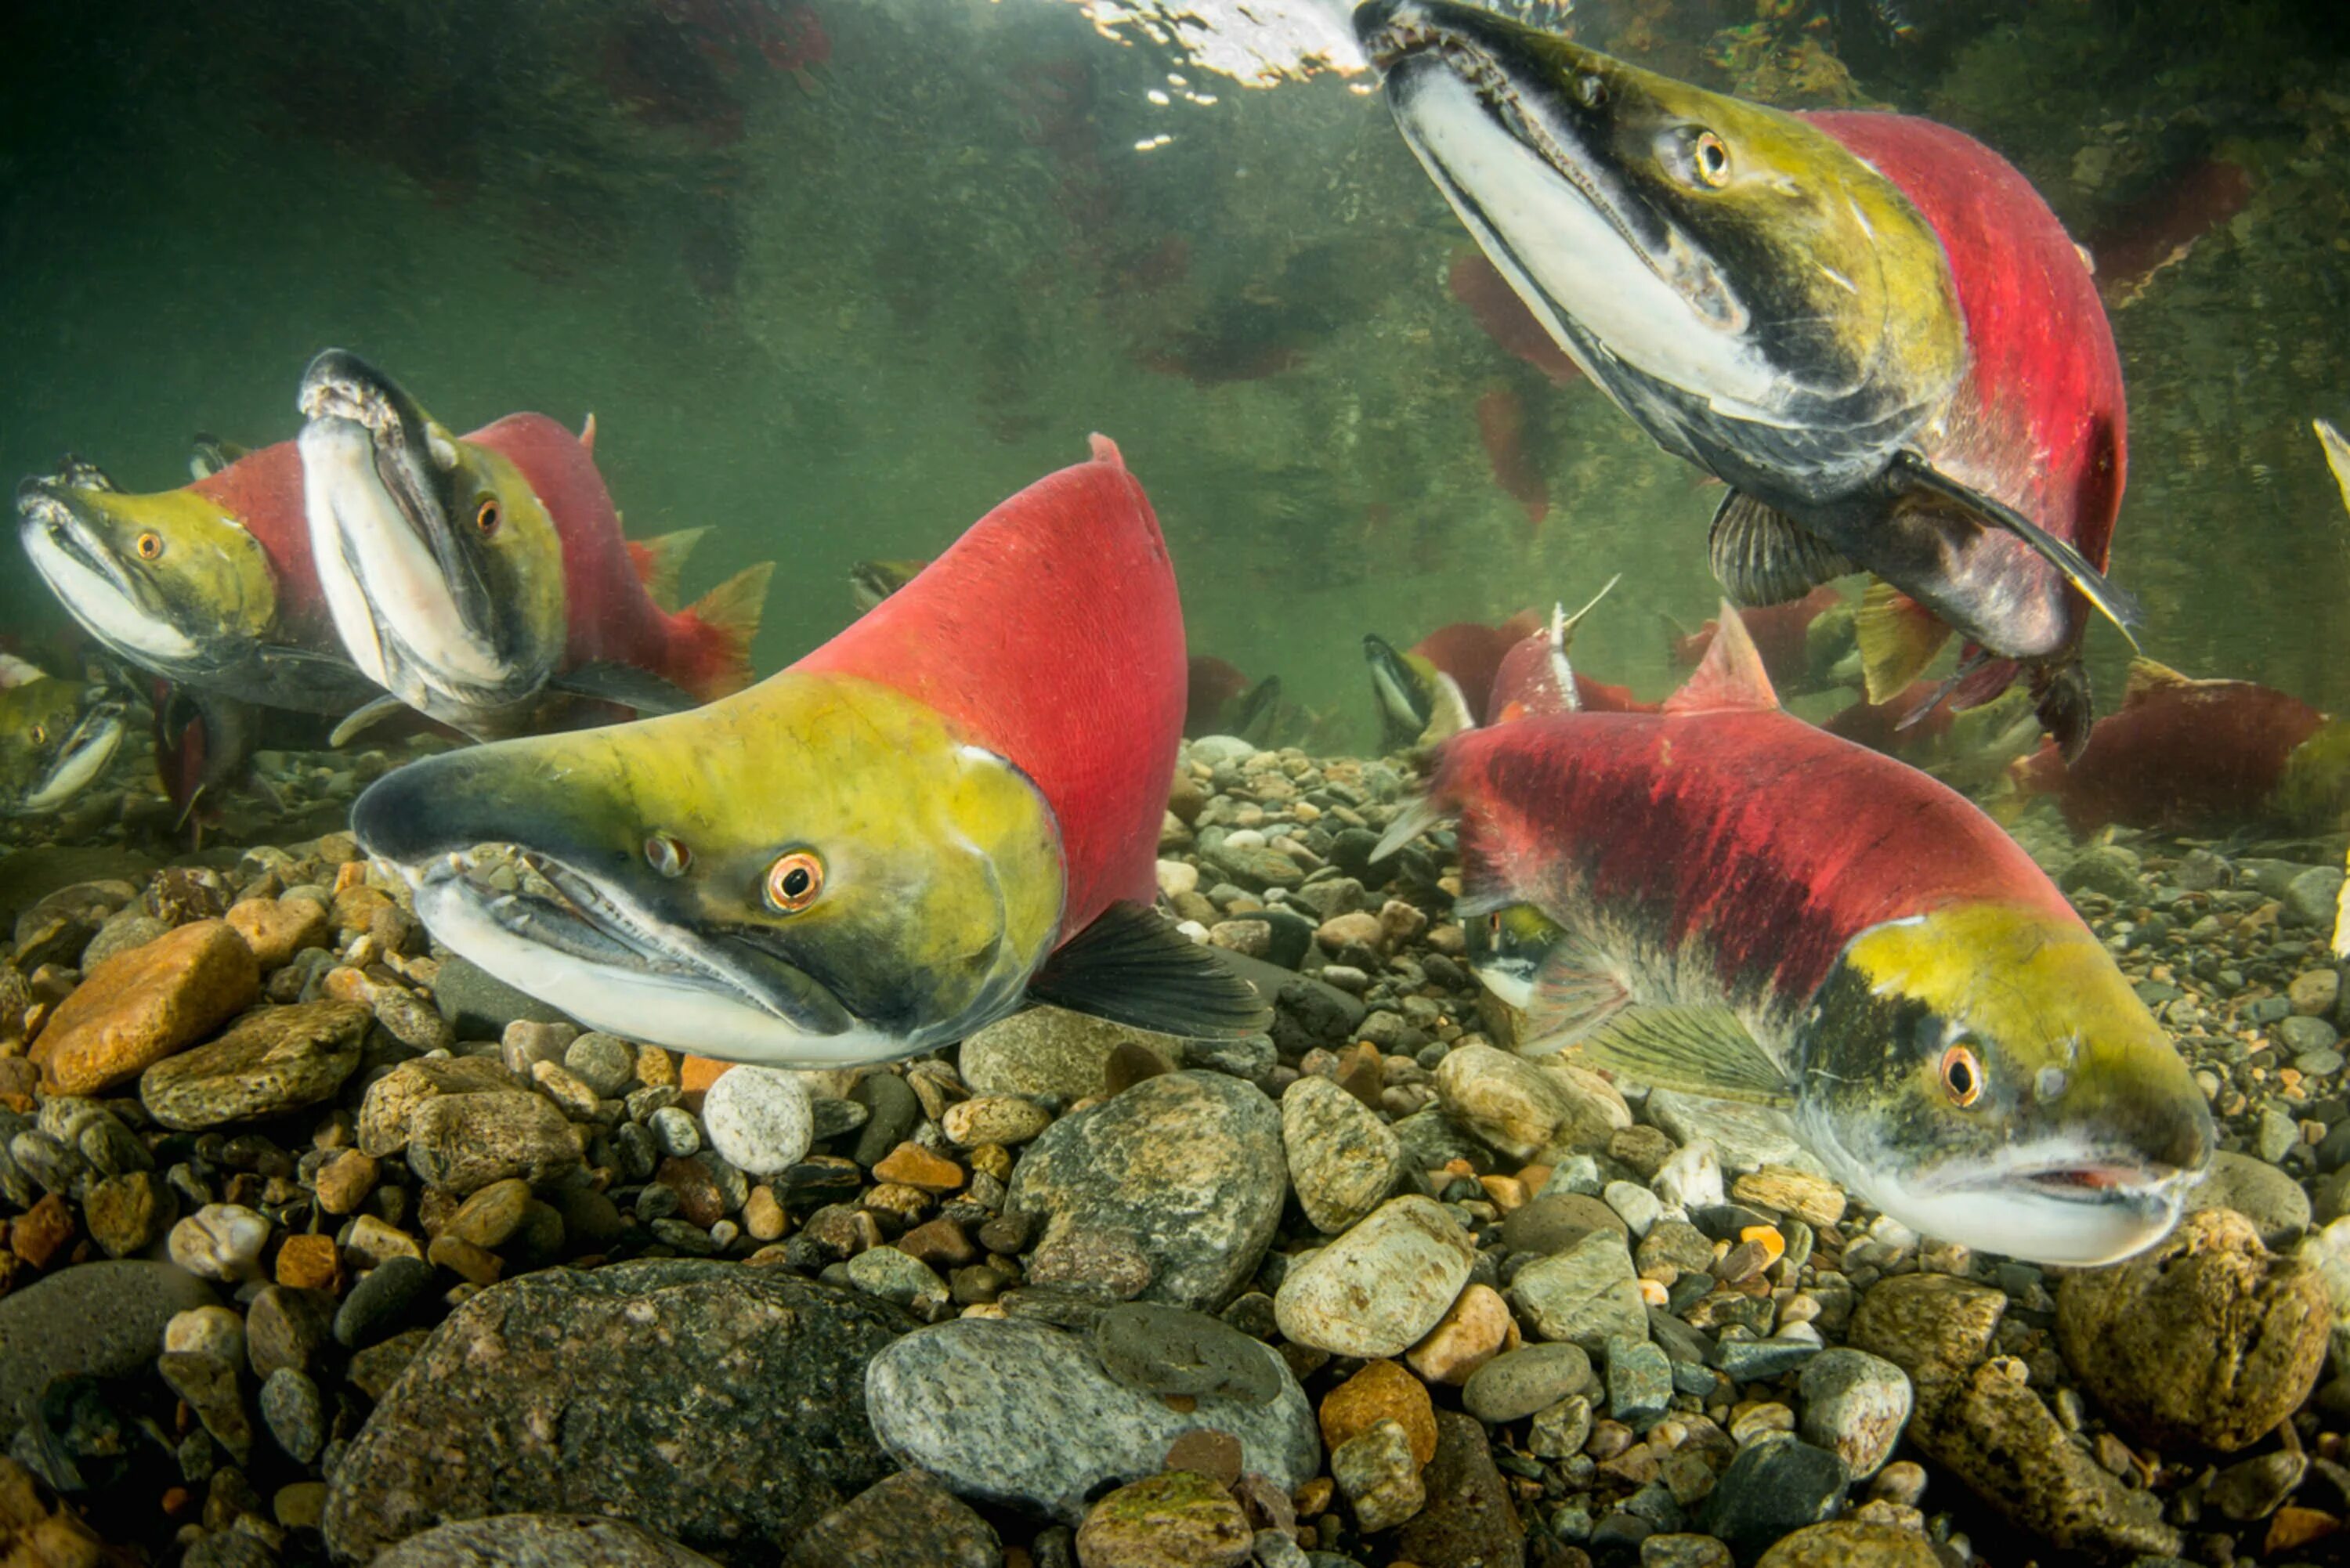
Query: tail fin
{"x": 659, "y": 561}
{"x": 728, "y": 617}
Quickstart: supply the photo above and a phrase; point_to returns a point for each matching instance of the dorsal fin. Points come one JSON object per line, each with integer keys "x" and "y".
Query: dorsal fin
{"x": 1106, "y": 451}
{"x": 588, "y": 433}
{"x": 2148, "y": 677}
{"x": 1731, "y": 677}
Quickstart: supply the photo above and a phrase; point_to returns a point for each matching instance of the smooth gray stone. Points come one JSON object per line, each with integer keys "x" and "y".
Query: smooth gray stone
{"x": 105, "y": 1320}
{"x": 1020, "y": 1413}
{"x": 539, "y": 1541}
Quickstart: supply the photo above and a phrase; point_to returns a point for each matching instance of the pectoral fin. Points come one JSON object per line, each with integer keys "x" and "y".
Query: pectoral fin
{"x": 1764, "y": 558}
{"x": 1132, "y": 966}
{"x": 1914, "y": 475}
{"x": 1896, "y": 637}
{"x": 1573, "y": 996}
{"x": 365, "y": 718}
{"x": 606, "y": 682}
{"x": 1695, "y": 1050}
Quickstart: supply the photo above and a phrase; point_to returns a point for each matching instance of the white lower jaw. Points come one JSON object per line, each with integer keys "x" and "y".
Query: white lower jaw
{"x": 1579, "y": 262}
{"x": 106, "y": 610}
{"x": 2034, "y": 1227}
{"x": 655, "y": 1009}
{"x": 75, "y": 771}
{"x": 380, "y": 578}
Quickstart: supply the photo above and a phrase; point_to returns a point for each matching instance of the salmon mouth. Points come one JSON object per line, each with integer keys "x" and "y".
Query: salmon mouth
{"x": 83, "y": 756}
{"x": 120, "y": 607}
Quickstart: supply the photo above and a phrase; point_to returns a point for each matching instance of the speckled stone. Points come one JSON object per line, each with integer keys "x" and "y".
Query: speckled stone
{"x": 904, "y": 1521}
{"x": 1051, "y": 1055}
{"x": 1016, "y": 1411}
{"x": 274, "y": 1060}
{"x": 1183, "y": 1172}
{"x": 1514, "y": 1386}
{"x": 1377, "y": 1290}
{"x": 1849, "y": 1543}
{"x": 759, "y": 1119}
{"x": 1178, "y": 1520}
{"x": 1520, "y": 1107}
{"x": 139, "y": 1006}
{"x": 464, "y": 1142}
{"x": 1854, "y": 1404}
{"x": 1584, "y": 1293}
{"x": 539, "y": 1395}
{"x": 539, "y": 1541}
{"x": 1343, "y": 1161}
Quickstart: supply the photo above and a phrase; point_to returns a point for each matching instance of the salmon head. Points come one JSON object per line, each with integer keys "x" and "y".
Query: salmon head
{"x": 1748, "y": 290}
{"x": 815, "y": 871}
{"x": 57, "y": 737}
{"x": 441, "y": 568}
{"x": 170, "y": 581}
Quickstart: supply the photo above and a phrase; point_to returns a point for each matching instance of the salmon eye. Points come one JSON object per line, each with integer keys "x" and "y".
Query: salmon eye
{"x": 794, "y": 881}
{"x": 1591, "y": 91}
{"x": 40, "y": 734}
{"x": 667, "y": 854}
{"x": 1710, "y": 156}
{"x": 151, "y": 547}
{"x": 486, "y": 516}
{"x": 1962, "y": 1075}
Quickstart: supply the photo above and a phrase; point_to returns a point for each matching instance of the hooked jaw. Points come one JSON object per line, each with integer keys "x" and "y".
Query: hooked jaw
{"x": 81, "y": 759}
{"x": 118, "y": 607}
{"x": 409, "y": 600}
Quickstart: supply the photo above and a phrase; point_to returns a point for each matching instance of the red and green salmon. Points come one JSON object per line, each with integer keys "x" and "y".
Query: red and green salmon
{"x": 1868, "y": 326}
{"x": 1722, "y": 900}
{"x": 474, "y": 578}
{"x": 1443, "y": 682}
{"x": 951, "y": 807}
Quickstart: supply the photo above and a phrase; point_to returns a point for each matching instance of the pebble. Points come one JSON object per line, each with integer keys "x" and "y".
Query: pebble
{"x": 2252, "y": 1489}
{"x": 100, "y": 1319}
{"x": 1016, "y": 1411}
{"x": 1848, "y": 1543}
{"x": 2259, "y": 1324}
{"x": 1182, "y": 1174}
{"x": 538, "y": 1395}
{"x": 126, "y": 1213}
{"x": 141, "y": 1005}
{"x": 478, "y": 1005}
{"x": 1377, "y": 1288}
{"x": 295, "y": 1414}
{"x": 275, "y": 1060}
{"x": 1560, "y": 1431}
{"x": 1636, "y": 1206}
{"x": 1771, "y": 1489}
{"x": 287, "y": 1328}
{"x": 2278, "y": 1207}
{"x": 2314, "y": 991}
{"x": 1177, "y": 1519}
{"x": 393, "y": 1099}
{"x": 759, "y": 1119}
{"x": 1584, "y": 1293}
{"x": 464, "y": 1142}
{"x": 1003, "y": 1119}
{"x": 603, "y": 1062}
{"x": 902, "y": 1520}
{"x": 1475, "y": 1328}
{"x": 1815, "y": 1199}
{"x": 491, "y": 1214}
{"x": 1521, "y": 1107}
{"x": 544, "y": 1540}
{"x": 1558, "y": 1220}
{"x": 675, "y": 1132}
{"x": 219, "y": 1241}
{"x": 1744, "y": 1138}
{"x": 1343, "y": 1160}
{"x": 1519, "y": 1383}
{"x": 1640, "y": 1381}
{"x": 381, "y": 1299}
{"x": 1053, "y": 1055}
{"x": 208, "y": 1384}
{"x": 344, "y": 1182}
{"x": 1690, "y": 1178}
{"x": 1380, "y": 1476}
{"x": 1381, "y": 1391}
{"x": 278, "y": 929}
{"x": 1166, "y": 1350}
{"x": 1854, "y": 1404}
{"x": 1469, "y": 1519}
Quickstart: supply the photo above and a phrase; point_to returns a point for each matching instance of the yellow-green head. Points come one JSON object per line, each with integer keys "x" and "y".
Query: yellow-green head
{"x": 1986, "y": 1072}
{"x": 813, "y": 872}
{"x": 57, "y": 737}
{"x": 441, "y": 568}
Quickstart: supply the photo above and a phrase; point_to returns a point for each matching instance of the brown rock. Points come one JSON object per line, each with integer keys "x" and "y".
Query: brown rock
{"x": 901, "y": 1521}
{"x": 126, "y": 1213}
{"x": 1178, "y": 1519}
{"x": 1469, "y": 1521}
{"x": 1216, "y": 1455}
{"x": 1842, "y": 1544}
{"x": 699, "y": 1201}
{"x": 273, "y": 1060}
{"x": 464, "y": 1142}
{"x": 1815, "y": 1199}
{"x": 940, "y": 1243}
{"x": 1380, "y": 1391}
{"x": 1473, "y": 1330}
{"x": 1932, "y": 1326}
{"x": 914, "y": 1165}
{"x": 309, "y": 1264}
{"x": 696, "y": 1074}
{"x": 394, "y": 1097}
{"x": 475, "y": 1265}
{"x": 140, "y": 1006}
{"x": 344, "y": 1182}
{"x": 2256, "y": 1325}
{"x": 278, "y": 929}
{"x": 41, "y": 1232}
{"x": 494, "y": 1213}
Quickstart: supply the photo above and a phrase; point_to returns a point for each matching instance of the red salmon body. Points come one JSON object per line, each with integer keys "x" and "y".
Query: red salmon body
{"x": 1527, "y": 687}
{"x": 1781, "y": 634}
{"x": 263, "y": 490}
{"x": 1088, "y": 700}
{"x": 1472, "y": 653}
{"x": 2181, "y": 756}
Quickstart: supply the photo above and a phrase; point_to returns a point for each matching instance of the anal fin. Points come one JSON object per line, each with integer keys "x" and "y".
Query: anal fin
{"x": 1695, "y": 1050}
{"x": 1762, "y": 556}
{"x": 1897, "y": 637}
{"x": 1132, "y": 966}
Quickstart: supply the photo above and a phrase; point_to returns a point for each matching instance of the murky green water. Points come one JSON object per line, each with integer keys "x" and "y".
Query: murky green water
{"x": 836, "y": 276}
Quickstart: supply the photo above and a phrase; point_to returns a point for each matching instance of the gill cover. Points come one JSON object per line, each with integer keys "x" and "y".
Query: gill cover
{"x": 1755, "y": 296}
{"x": 813, "y": 872}
{"x": 441, "y": 567}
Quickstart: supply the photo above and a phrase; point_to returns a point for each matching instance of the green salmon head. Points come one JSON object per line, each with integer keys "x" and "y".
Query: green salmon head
{"x": 815, "y": 872}
{"x": 1984, "y": 1073}
{"x": 443, "y": 569}
{"x": 1506, "y": 948}
{"x": 1757, "y": 297}
{"x": 56, "y": 737}
{"x": 170, "y": 581}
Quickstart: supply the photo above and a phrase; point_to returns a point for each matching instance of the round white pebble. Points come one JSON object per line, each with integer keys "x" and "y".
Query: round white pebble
{"x": 759, "y": 1119}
